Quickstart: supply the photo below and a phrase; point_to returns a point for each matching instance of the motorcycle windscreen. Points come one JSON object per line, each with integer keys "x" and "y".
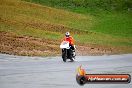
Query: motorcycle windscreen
{"x": 64, "y": 44}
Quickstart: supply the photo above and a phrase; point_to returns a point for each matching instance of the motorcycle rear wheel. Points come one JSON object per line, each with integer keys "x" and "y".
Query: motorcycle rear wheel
{"x": 70, "y": 53}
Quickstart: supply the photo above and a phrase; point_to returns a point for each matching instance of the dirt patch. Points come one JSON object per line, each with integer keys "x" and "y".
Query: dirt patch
{"x": 11, "y": 43}
{"x": 94, "y": 50}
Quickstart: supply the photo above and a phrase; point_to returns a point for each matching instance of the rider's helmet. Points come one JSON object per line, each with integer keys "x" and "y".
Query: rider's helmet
{"x": 67, "y": 34}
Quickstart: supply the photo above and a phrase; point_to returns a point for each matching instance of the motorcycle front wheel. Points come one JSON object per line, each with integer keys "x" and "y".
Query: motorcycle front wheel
{"x": 64, "y": 55}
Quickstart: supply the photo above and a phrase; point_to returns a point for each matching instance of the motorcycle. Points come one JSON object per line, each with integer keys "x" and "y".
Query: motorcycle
{"x": 67, "y": 52}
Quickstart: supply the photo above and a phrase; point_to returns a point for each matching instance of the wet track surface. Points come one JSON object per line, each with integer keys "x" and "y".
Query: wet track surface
{"x": 52, "y": 72}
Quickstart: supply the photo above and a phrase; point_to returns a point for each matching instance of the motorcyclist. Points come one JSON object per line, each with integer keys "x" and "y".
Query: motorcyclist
{"x": 71, "y": 41}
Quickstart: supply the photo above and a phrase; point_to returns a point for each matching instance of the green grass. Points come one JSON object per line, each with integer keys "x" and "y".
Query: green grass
{"x": 111, "y": 16}
{"x": 34, "y": 20}
{"x": 109, "y": 19}
{"x": 29, "y": 31}
{"x": 96, "y": 26}
{"x": 98, "y": 4}
{"x": 116, "y": 24}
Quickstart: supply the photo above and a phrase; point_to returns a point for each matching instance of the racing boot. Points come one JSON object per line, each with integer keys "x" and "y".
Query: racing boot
{"x": 74, "y": 54}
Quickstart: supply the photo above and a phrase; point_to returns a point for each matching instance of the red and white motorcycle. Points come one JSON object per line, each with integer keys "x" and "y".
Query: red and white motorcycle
{"x": 67, "y": 52}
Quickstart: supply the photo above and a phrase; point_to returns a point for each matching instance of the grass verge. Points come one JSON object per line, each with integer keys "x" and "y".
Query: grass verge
{"x": 88, "y": 27}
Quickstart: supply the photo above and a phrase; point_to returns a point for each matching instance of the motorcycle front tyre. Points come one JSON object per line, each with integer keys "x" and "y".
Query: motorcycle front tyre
{"x": 64, "y": 55}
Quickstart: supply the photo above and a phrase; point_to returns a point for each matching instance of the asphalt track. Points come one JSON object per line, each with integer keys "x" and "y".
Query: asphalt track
{"x": 52, "y": 72}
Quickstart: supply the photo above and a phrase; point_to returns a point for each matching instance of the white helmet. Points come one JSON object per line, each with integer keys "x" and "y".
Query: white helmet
{"x": 67, "y": 34}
